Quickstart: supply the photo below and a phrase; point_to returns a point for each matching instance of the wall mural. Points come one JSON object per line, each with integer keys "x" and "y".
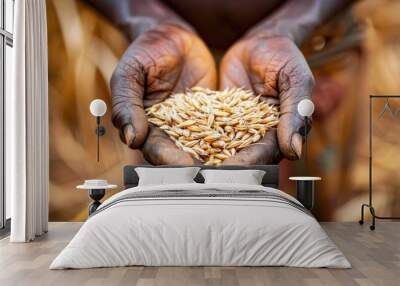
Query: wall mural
{"x": 197, "y": 123}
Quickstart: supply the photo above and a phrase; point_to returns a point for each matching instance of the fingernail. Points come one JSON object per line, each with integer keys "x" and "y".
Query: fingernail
{"x": 297, "y": 144}
{"x": 129, "y": 134}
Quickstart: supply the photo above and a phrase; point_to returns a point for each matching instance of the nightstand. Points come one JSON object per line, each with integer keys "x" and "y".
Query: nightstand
{"x": 96, "y": 190}
{"x": 305, "y": 190}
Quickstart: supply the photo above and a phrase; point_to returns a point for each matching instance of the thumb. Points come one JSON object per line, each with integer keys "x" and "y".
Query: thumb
{"x": 127, "y": 90}
{"x": 127, "y": 134}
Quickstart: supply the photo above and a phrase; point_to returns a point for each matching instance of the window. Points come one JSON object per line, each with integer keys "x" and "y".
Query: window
{"x": 6, "y": 44}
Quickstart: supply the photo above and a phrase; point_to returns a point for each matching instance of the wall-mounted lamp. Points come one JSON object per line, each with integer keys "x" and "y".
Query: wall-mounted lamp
{"x": 305, "y": 108}
{"x": 98, "y": 108}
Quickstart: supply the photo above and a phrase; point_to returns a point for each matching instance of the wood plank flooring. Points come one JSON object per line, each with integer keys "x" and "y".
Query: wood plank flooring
{"x": 375, "y": 257}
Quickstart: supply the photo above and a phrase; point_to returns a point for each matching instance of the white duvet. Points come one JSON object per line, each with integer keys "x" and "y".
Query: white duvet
{"x": 200, "y": 231}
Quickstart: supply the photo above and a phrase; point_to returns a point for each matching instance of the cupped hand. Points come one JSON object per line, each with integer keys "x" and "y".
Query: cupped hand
{"x": 161, "y": 61}
{"x": 275, "y": 68}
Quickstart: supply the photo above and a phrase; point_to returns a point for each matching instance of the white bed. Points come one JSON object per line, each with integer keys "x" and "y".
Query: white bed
{"x": 269, "y": 229}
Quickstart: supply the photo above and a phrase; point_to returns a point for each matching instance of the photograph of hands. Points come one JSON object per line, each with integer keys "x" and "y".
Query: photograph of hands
{"x": 136, "y": 54}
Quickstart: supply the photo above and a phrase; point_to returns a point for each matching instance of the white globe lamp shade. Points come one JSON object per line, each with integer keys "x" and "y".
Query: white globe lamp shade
{"x": 98, "y": 107}
{"x": 305, "y": 107}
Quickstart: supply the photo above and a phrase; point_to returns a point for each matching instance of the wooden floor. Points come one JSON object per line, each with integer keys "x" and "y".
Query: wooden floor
{"x": 375, "y": 257}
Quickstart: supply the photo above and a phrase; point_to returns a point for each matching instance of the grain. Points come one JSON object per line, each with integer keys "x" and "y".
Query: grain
{"x": 214, "y": 125}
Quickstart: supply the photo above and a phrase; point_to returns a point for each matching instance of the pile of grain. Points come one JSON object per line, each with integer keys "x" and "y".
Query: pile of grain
{"x": 213, "y": 125}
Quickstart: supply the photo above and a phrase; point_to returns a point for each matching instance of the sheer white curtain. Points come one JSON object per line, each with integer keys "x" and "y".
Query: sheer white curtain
{"x": 27, "y": 124}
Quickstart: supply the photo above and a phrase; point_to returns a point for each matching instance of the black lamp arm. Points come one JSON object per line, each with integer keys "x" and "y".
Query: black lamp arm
{"x": 304, "y": 130}
{"x": 100, "y": 131}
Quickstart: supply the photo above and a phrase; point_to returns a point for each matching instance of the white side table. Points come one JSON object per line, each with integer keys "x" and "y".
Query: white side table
{"x": 96, "y": 190}
{"x": 305, "y": 190}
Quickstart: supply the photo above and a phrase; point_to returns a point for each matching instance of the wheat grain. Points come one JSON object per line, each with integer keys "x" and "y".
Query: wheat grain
{"x": 214, "y": 125}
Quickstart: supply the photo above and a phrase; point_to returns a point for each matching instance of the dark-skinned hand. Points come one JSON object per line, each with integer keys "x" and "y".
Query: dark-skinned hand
{"x": 275, "y": 68}
{"x": 161, "y": 61}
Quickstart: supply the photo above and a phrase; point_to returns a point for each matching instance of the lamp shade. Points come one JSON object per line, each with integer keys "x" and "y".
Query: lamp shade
{"x": 305, "y": 107}
{"x": 98, "y": 107}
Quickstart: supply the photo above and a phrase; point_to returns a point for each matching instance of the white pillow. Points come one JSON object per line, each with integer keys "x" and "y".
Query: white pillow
{"x": 165, "y": 176}
{"x": 248, "y": 177}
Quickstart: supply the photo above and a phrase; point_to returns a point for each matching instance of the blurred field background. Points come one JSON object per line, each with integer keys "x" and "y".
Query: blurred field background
{"x": 352, "y": 56}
